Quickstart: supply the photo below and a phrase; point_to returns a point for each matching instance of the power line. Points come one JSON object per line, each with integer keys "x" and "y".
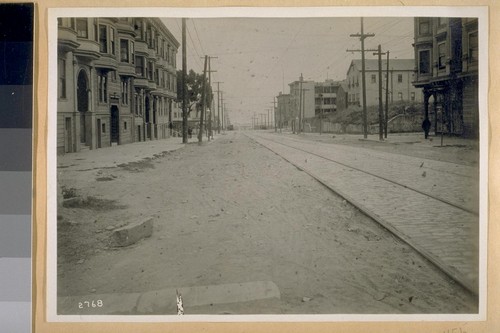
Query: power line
{"x": 198, "y": 36}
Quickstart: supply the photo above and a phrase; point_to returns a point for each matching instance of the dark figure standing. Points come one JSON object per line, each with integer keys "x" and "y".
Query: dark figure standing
{"x": 426, "y": 126}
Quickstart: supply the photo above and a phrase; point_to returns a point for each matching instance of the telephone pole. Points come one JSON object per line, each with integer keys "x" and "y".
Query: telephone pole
{"x": 184, "y": 86}
{"x": 386, "y": 120}
{"x": 320, "y": 114}
{"x": 300, "y": 103}
{"x": 218, "y": 106}
{"x": 209, "y": 116}
{"x": 380, "y": 106}
{"x": 362, "y": 37}
{"x": 274, "y": 109}
{"x": 203, "y": 100}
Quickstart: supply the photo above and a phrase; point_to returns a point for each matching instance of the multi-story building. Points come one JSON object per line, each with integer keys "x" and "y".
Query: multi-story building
{"x": 401, "y": 76}
{"x": 116, "y": 81}
{"x": 446, "y": 62}
{"x": 329, "y": 97}
{"x": 306, "y": 88}
{"x": 285, "y": 110}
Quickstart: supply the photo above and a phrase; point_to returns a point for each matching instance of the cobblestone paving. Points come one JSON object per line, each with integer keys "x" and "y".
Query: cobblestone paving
{"x": 445, "y": 234}
{"x": 451, "y": 182}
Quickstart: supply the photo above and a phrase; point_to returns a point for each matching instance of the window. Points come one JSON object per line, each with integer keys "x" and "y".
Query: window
{"x": 157, "y": 76}
{"x": 442, "y": 55}
{"x": 124, "y": 50}
{"x": 124, "y": 126}
{"x": 96, "y": 30}
{"x": 412, "y": 96}
{"x": 103, "y": 87}
{"x": 137, "y": 101}
{"x": 473, "y": 47}
{"x": 106, "y": 39}
{"x": 103, "y": 126}
{"x": 139, "y": 66}
{"x": 424, "y": 62}
{"x": 66, "y": 22}
{"x": 400, "y": 96}
{"x": 374, "y": 78}
{"x": 132, "y": 51}
{"x": 62, "y": 77}
{"x": 125, "y": 90}
{"x": 82, "y": 29}
{"x": 150, "y": 71}
{"x": 400, "y": 78}
{"x": 103, "y": 38}
{"x": 112, "y": 40}
{"x": 424, "y": 27}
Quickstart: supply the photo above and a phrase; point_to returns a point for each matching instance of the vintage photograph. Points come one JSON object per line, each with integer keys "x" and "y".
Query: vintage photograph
{"x": 267, "y": 165}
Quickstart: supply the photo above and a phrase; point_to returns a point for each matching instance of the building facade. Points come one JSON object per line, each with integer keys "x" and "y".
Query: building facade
{"x": 329, "y": 96}
{"x": 446, "y": 62}
{"x": 401, "y": 76}
{"x": 285, "y": 110}
{"x": 303, "y": 92}
{"x": 116, "y": 81}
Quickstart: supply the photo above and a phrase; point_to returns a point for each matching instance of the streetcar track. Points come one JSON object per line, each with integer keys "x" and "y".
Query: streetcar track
{"x": 470, "y": 211}
{"x": 461, "y": 174}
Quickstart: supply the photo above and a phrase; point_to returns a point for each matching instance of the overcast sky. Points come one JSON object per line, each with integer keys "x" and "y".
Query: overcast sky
{"x": 258, "y": 57}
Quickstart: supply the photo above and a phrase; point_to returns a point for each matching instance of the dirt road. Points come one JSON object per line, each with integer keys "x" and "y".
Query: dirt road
{"x": 233, "y": 212}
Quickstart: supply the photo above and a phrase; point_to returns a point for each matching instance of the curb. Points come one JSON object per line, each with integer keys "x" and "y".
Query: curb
{"x": 164, "y": 301}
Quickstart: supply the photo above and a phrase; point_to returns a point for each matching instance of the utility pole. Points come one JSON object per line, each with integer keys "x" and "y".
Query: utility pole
{"x": 218, "y": 106}
{"x": 320, "y": 114}
{"x": 300, "y": 103}
{"x": 362, "y": 37}
{"x": 279, "y": 111}
{"x": 224, "y": 116}
{"x": 274, "y": 108}
{"x": 380, "y": 106}
{"x": 386, "y": 120}
{"x": 222, "y": 109}
{"x": 304, "y": 107}
{"x": 209, "y": 116}
{"x": 203, "y": 101}
{"x": 184, "y": 85}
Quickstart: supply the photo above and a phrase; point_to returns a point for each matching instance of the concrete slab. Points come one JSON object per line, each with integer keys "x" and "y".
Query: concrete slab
{"x": 133, "y": 233}
{"x": 164, "y": 301}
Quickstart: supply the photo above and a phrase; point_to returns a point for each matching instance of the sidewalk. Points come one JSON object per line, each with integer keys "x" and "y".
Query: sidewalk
{"x": 109, "y": 157}
{"x": 115, "y": 155}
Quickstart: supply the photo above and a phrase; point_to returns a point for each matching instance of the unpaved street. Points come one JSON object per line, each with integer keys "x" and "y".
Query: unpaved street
{"x": 231, "y": 211}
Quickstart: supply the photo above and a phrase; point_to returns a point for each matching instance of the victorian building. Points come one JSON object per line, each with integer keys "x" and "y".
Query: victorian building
{"x": 401, "y": 76}
{"x": 116, "y": 81}
{"x": 329, "y": 97}
{"x": 446, "y": 62}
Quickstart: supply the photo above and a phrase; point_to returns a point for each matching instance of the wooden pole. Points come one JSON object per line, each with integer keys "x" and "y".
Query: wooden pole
{"x": 203, "y": 101}
{"x": 184, "y": 85}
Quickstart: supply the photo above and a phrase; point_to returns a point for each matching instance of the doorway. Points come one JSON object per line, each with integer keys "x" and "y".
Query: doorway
{"x": 82, "y": 97}
{"x": 115, "y": 124}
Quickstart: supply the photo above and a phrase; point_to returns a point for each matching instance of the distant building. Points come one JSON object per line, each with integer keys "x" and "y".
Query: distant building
{"x": 329, "y": 97}
{"x": 116, "y": 81}
{"x": 401, "y": 76}
{"x": 285, "y": 110}
{"x": 446, "y": 61}
{"x": 302, "y": 92}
